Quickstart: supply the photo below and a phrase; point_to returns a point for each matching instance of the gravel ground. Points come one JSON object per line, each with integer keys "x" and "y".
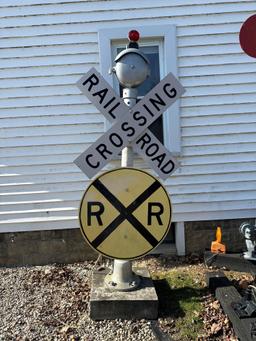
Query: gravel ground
{"x": 51, "y": 303}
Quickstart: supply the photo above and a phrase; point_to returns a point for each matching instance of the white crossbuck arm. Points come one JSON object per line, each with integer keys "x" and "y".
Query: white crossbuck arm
{"x": 130, "y": 126}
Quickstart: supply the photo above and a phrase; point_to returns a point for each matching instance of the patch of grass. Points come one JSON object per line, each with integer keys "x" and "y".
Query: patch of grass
{"x": 180, "y": 293}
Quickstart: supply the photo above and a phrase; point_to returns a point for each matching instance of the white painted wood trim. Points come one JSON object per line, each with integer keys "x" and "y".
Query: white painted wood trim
{"x": 180, "y": 238}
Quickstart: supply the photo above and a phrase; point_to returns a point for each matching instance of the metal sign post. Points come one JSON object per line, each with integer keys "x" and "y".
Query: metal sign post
{"x": 132, "y": 69}
{"x": 122, "y": 277}
{"x": 129, "y": 132}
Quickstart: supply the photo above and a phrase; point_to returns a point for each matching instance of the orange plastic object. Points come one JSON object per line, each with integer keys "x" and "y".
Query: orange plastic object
{"x": 216, "y": 246}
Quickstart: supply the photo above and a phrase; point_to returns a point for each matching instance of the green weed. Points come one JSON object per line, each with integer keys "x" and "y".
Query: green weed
{"x": 180, "y": 298}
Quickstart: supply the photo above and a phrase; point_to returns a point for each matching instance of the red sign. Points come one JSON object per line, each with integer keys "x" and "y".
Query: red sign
{"x": 247, "y": 36}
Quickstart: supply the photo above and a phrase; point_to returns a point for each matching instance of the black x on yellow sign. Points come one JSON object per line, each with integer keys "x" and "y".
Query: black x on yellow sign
{"x": 125, "y": 213}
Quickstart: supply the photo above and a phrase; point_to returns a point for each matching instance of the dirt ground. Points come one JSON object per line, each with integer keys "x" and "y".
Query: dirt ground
{"x": 191, "y": 271}
{"x": 51, "y": 303}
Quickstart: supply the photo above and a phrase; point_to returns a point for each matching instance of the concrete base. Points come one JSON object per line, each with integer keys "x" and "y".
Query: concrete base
{"x": 106, "y": 304}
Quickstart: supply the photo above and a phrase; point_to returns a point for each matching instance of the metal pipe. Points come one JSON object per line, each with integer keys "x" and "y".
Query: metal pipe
{"x": 122, "y": 277}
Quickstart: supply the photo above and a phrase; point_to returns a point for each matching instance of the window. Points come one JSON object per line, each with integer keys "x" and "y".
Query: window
{"x": 152, "y": 53}
{"x": 159, "y": 44}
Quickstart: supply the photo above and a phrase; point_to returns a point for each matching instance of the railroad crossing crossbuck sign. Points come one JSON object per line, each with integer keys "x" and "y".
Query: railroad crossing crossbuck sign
{"x": 125, "y": 213}
{"x": 129, "y": 125}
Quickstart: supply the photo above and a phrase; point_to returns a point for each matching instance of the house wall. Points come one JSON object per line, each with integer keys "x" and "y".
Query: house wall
{"x": 45, "y": 123}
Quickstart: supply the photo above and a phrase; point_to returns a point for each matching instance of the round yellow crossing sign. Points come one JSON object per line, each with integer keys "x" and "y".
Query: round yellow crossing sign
{"x": 125, "y": 213}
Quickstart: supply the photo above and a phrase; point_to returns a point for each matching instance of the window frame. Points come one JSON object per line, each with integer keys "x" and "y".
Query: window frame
{"x": 168, "y": 63}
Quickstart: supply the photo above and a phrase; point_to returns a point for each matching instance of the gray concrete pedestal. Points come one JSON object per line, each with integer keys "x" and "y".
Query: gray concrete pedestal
{"x": 107, "y": 304}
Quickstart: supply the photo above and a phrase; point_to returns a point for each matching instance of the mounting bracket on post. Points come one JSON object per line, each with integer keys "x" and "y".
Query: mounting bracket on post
{"x": 122, "y": 278}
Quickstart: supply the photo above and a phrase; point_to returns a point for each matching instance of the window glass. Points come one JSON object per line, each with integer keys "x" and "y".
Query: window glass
{"x": 152, "y": 53}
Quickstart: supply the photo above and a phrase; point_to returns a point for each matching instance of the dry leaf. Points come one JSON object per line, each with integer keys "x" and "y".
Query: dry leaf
{"x": 243, "y": 284}
{"x": 65, "y": 329}
{"x": 215, "y": 305}
{"x": 215, "y": 328}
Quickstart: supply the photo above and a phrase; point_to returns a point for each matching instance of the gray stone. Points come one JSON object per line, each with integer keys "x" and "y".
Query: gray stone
{"x": 107, "y": 304}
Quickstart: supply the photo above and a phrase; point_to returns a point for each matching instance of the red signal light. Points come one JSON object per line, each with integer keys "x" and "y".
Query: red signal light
{"x": 247, "y": 36}
{"x": 133, "y": 35}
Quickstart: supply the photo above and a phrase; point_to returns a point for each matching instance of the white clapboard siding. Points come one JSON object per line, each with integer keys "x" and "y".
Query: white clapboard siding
{"x": 57, "y": 110}
{"x": 219, "y": 80}
{"x": 46, "y": 46}
{"x": 58, "y": 120}
{"x": 209, "y": 110}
